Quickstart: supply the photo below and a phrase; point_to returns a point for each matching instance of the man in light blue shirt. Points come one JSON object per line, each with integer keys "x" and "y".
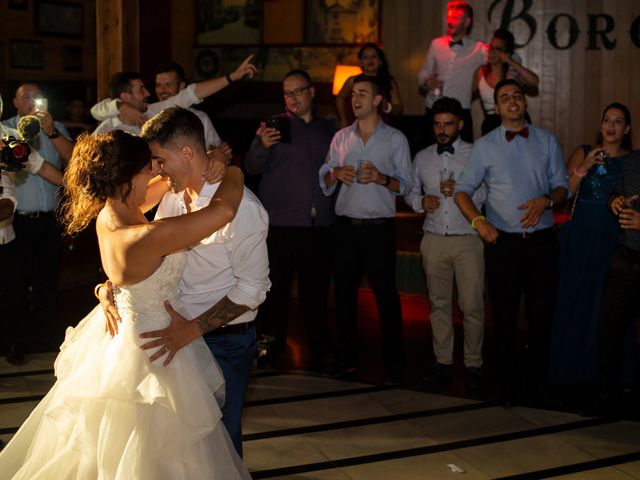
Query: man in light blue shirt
{"x": 523, "y": 169}
{"x": 449, "y": 247}
{"x": 371, "y": 162}
{"x": 37, "y": 233}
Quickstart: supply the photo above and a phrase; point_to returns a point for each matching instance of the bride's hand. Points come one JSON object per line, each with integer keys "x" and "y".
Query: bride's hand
{"x": 217, "y": 166}
{"x": 179, "y": 333}
{"x": 108, "y": 304}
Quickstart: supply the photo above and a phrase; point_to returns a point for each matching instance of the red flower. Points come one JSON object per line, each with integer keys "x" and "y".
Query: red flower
{"x": 19, "y": 151}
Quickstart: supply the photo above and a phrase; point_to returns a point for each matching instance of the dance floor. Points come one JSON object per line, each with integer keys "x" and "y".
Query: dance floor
{"x": 298, "y": 426}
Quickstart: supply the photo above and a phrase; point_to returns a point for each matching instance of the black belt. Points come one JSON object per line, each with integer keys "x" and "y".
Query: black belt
{"x": 365, "y": 221}
{"x": 522, "y": 235}
{"x": 34, "y": 214}
{"x": 230, "y": 329}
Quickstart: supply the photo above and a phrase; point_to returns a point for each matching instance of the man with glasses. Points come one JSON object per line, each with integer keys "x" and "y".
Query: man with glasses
{"x": 300, "y": 216}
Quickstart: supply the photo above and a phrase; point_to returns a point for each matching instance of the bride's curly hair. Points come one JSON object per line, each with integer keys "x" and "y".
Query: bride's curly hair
{"x": 102, "y": 166}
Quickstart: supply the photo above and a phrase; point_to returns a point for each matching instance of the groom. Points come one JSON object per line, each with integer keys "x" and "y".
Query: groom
{"x": 227, "y": 274}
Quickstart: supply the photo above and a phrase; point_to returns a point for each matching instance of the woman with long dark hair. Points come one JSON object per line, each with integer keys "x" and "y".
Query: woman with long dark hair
{"x": 500, "y": 65}
{"x": 587, "y": 242}
{"x": 373, "y": 62}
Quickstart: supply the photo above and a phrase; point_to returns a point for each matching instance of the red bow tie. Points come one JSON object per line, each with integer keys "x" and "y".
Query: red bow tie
{"x": 510, "y": 134}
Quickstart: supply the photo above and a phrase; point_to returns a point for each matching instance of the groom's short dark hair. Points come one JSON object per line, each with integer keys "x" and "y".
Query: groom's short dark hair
{"x": 171, "y": 124}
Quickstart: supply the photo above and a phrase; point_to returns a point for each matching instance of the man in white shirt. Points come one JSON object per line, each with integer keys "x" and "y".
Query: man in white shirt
{"x": 227, "y": 274}
{"x": 450, "y": 65}
{"x": 449, "y": 247}
{"x": 128, "y": 108}
{"x": 170, "y": 80}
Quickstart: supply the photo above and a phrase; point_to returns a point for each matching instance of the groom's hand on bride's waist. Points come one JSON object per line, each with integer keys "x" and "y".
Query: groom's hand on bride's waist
{"x": 168, "y": 341}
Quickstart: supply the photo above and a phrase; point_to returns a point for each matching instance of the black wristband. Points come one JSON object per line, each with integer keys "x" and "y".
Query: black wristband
{"x": 387, "y": 181}
{"x": 228, "y": 77}
{"x": 54, "y": 134}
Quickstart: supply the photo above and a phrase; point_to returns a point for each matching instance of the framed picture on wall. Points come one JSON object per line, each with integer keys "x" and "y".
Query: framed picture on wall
{"x": 228, "y": 22}
{"x": 60, "y": 19}
{"x": 18, "y": 4}
{"x": 26, "y": 54}
{"x": 342, "y": 21}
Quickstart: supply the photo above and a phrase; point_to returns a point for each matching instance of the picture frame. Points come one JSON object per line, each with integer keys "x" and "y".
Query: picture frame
{"x": 347, "y": 22}
{"x": 18, "y": 4}
{"x": 226, "y": 22}
{"x": 59, "y": 19}
{"x": 26, "y": 54}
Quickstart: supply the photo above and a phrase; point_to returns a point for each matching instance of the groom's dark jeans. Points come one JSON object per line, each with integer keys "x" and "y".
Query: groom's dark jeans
{"x": 234, "y": 353}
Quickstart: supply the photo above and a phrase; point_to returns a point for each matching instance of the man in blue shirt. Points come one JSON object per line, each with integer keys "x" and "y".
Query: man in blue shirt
{"x": 36, "y": 228}
{"x": 371, "y": 162}
{"x": 300, "y": 217}
{"x": 449, "y": 247}
{"x": 523, "y": 169}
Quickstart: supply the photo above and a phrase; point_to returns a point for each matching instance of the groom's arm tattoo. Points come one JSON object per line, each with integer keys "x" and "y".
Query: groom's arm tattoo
{"x": 220, "y": 314}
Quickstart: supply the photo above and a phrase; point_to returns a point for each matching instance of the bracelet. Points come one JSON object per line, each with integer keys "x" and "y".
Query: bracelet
{"x": 479, "y": 217}
{"x": 228, "y": 77}
{"x": 387, "y": 181}
{"x": 54, "y": 134}
{"x": 97, "y": 288}
{"x": 578, "y": 173}
{"x": 332, "y": 174}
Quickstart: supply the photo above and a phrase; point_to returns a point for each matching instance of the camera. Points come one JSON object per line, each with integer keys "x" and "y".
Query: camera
{"x": 14, "y": 154}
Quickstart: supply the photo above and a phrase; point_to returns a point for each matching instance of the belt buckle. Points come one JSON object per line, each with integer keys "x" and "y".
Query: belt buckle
{"x": 527, "y": 234}
{"x": 357, "y": 221}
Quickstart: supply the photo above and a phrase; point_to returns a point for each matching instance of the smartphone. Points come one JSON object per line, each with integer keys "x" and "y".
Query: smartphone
{"x": 41, "y": 104}
{"x": 283, "y": 125}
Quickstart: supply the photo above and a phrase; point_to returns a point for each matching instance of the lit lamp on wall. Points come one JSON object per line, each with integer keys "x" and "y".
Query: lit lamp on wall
{"x": 341, "y": 74}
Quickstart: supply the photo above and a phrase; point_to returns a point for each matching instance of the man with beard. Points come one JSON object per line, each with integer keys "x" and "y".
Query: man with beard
{"x": 128, "y": 108}
{"x": 450, "y": 65}
{"x": 523, "y": 169}
{"x": 371, "y": 162}
{"x": 300, "y": 218}
{"x": 449, "y": 247}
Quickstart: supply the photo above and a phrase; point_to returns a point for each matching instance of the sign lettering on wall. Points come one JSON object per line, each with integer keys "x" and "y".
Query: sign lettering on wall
{"x": 563, "y": 30}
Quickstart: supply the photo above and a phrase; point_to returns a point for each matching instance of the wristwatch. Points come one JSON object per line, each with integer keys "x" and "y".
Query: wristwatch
{"x": 54, "y": 134}
{"x": 387, "y": 181}
{"x": 549, "y": 202}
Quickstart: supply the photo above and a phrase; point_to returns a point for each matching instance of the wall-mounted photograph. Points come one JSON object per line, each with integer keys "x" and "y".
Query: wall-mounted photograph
{"x": 341, "y": 21}
{"x": 26, "y": 54}
{"x": 226, "y": 22}
{"x": 59, "y": 19}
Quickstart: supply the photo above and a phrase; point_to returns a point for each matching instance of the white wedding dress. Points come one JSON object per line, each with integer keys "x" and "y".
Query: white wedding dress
{"x": 113, "y": 415}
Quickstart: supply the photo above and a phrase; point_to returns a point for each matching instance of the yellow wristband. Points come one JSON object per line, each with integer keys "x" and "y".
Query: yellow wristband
{"x": 97, "y": 288}
{"x": 479, "y": 217}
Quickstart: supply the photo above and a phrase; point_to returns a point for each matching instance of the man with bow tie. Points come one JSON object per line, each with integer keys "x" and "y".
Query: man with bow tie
{"x": 450, "y": 65}
{"x": 449, "y": 247}
{"x": 523, "y": 169}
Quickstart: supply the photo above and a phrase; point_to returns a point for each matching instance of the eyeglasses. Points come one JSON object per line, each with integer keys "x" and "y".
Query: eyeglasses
{"x": 297, "y": 92}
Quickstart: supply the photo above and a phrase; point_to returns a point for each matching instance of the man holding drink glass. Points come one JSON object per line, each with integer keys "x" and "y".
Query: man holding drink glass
{"x": 371, "y": 162}
{"x": 449, "y": 247}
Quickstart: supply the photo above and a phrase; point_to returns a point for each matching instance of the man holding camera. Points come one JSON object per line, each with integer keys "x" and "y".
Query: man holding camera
{"x": 300, "y": 215}
{"x": 37, "y": 233}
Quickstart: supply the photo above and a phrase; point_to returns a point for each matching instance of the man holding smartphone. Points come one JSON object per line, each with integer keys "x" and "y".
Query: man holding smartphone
{"x": 37, "y": 234}
{"x": 300, "y": 216}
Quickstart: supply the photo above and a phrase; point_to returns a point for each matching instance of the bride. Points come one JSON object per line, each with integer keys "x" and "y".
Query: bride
{"x": 113, "y": 414}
